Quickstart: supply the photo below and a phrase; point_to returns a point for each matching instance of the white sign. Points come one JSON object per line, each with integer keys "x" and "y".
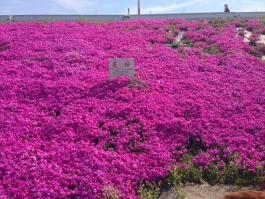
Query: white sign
{"x": 121, "y": 67}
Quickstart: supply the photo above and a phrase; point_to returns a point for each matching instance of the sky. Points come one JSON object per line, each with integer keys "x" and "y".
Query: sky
{"x": 109, "y": 7}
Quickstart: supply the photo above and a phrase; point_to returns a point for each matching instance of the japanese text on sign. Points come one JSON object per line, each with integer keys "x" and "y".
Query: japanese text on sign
{"x": 121, "y": 67}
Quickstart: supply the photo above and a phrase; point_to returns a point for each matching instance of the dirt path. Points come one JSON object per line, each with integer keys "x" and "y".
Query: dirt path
{"x": 204, "y": 191}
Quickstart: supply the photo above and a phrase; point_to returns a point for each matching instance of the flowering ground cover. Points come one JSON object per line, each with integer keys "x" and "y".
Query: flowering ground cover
{"x": 68, "y": 132}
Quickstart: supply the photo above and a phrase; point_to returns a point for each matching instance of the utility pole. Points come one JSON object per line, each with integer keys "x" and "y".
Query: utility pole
{"x": 138, "y": 7}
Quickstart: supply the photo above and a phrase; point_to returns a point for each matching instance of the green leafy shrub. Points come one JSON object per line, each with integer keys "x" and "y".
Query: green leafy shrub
{"x": 262, "y": 20}
{"x": 149, "y": 190}
{"x": 230, "y": 172}
{"x": 187, "y": 42}
{"x": 212, "y": 50}
{"x": 257, "y": 50}
{"x": 176, "y": 44}
{"x": 188, "y": 173}
{"x": 216, "y": 23}
{"x": 111, "y": 193}
{"x": 138, "y": 84}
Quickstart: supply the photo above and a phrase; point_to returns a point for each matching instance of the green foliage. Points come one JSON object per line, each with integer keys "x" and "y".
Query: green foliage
{"x": 176, "y": 44}
{"x": 111, "y": 193}
{"x": 81, "y": 19}
{"x": 259, "y": 47}
{"x": 243, "y": 21}
{"x": 187, "y": 43}
{"x": 179, "y": 176}
{"x": 138, "y": 84}
{"x": 257, "y": 27}
{"x": 149, "y": 190}
{"x": 229, "y": 173}
{"x": 109, "y": 146}
{"x": 262, "y": 20}
{"x": 216, "y": 23}
{"x": 213, "y": 174}
{"x": 190, "y": 173}
{"x": 236, "y": 175}
{"x": 47, "y": 21}
{"x": 212, "y": 50}
{"x": 257, "y": 50}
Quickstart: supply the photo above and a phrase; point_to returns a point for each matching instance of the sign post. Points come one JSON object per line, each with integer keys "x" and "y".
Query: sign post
{"x": 121, "y": 67}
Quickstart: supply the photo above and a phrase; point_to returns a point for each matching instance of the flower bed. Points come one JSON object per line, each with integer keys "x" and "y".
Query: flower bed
{"x": 67, "y": 132}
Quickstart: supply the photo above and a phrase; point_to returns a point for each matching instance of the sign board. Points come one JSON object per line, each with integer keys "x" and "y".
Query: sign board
{"x": 121, "y": 67}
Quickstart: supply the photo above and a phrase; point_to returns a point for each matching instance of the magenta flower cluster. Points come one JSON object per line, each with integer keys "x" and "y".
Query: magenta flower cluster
{"x": 68, "y": 132}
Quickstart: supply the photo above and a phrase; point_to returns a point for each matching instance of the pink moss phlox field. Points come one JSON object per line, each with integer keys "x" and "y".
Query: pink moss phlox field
{"x": 68, "y": 132}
